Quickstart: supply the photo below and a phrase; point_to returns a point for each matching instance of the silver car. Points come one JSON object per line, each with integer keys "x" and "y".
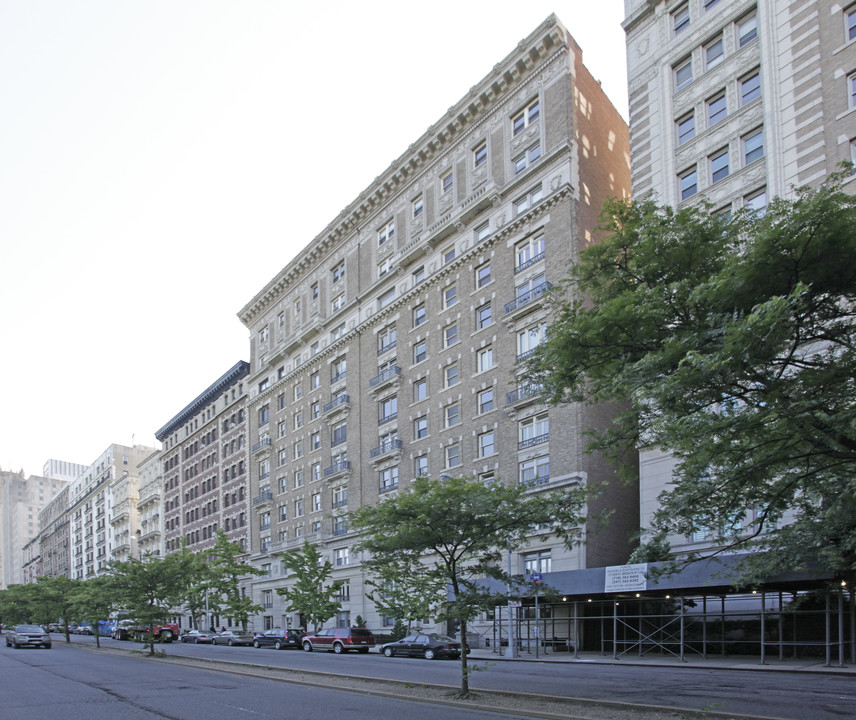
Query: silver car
{"x": 23, "y": 635}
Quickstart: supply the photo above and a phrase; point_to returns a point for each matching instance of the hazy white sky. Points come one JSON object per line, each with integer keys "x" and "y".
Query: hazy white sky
{"x": 161, "y": 160}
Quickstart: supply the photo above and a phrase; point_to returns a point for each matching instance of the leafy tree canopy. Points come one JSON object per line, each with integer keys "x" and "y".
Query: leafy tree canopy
{"x": 731, "y": 341}
{"x": 309, "y": 595}
{"x": 450, "y": 531}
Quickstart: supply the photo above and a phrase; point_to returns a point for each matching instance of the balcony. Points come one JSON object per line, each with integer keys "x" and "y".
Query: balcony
{"x": 262, "y": 444}
{"x": 533, "y": 482}
{"x": 265, "y": 497}
{"x": 523, "y": 395}
{"x": 526, "y": 298}
{"x": 340, "y": 531}
{"x": 388, "y": 487}
{"x": 341, "y": 403}
{"x": 530, "y": 262}
{"x": 339, "y": 468}
{"x": 386, "y": 347}
{"x": 388, "y": 447}
{"x": 537, "y": 440}
{"x": 386, "y": 377}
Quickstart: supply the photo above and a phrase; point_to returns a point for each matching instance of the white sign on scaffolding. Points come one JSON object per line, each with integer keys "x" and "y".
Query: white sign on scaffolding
{"x": 626, "y": 578}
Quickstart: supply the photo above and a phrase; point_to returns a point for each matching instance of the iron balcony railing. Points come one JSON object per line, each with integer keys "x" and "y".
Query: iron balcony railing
{"x": 265, "y": 495}
{"x": 337, "y": 468}
{"x": 537, "y": 440}
{"x": 264, "y": 442}
{"x": 386, "y": 447}
{"x": 335, "y": 402}
{"x": 387, "y": 374}
{"x": 528, "y": 296}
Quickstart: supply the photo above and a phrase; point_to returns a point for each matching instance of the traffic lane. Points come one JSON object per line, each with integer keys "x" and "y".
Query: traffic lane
{"x": 71, "y": 683}
{"x": 791, "y": 696}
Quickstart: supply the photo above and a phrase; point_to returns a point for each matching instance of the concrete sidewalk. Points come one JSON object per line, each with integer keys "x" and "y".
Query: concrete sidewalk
{"x": 736, "y": 662}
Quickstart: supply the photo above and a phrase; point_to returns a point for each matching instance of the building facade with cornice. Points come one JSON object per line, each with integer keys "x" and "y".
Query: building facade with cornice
{"x": 151, "y": 507}
{"x": 54, "y": 536}
{"x": 386, "y": 349}
{"x": 203, "y": 470}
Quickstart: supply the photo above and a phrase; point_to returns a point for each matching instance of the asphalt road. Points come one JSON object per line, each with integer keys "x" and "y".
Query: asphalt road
{"x": 68, "y": 683}
{"x": 790, "y": 696}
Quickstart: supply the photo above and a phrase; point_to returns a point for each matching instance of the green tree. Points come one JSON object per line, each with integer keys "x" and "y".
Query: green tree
{"x": 404, "y": 588}
{"x": 309, "y": 595}
{"x": 227, "y": 567}
{"x": 17, "y": 604}
{"x": 150, "y": 589}
{"x": 93, "y": 600}
{"x": 199, "y": 595}
{"x": 732, "y": 343}
{"x": 452, "y": 529}
{"x": 54, "y": 598}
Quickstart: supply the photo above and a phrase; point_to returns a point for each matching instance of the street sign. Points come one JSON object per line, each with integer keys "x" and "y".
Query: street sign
{"x": 514, "y": 603}
{"x": 536, "y": 577}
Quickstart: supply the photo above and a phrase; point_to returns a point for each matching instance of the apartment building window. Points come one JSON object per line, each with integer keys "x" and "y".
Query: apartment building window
{"x": 717, "y": 110}
{"x": 420, "y": 351}
{"x": 453, "y": 415}
{"x": 487, "y": 444}
{"x": 298, "y": 479}
{"x": 535, "y": 471}
{"x": 851, "y": 90}
{"x": 686, "y": 129}
{"x": 449, "y": 255}
{"x": 714, "y": 53}
{"x": 298, "y": 420}
{"x": 532, "y": 198}
{"x": 419, "y": 315}
{"x": 341, "y": 556}
{"x": 537, "y": 562}
{"x": 450, "y": 334}
{"x": 418, "y": 275}
{"x": 484, "y": 316}
{"x": 315, "y": 410}
{"x": 683, "y": 74}
{"x": 756, "y": 202}
{"x": 264, "y": 415}
{"x": 484, "y": 359}
{"x": 282, "y": 457}
{"x": 420, "y": 466}
{"x": 530, "y": 251}
{"x": 853, "y": 156}
{"x": 280, "y": 402}
{"x": 753, "y": 146}
{"x": 386, "y": 233}
{"x": 453, "y": 455}
{"x": 340, "y": 496}
{"x": 450, "y": 296}
{"x": 483, "y": 275}
{"x": 338, "y": 272}
{"x": 451, "y": 375}
{"x": 527, "y": 158}
{"x": 316, "y": 502}
{"x": 383, "y": 267}
{"x": 526, "y": 117}
{"x": 529, "y": 339}
{"x": 420, "y": 390}
{"x": 485, "y": 400}
{"x": 314, "y": 290}
{"x": 298, "y": 508}
{"x": 386, "y": 298}
{"x": 388, "y": 409}
{"x": 688, "y": 183}
{"x": 719, "y": 166}
{"x": 337, "y": 303}
{"x": 481, "y": 232}
{"x": 386, "y": 339}
{"x": 747, "y": 29}
{"x": 681, "y": 19}
{"x": 533, "y": 431}
{"x": 339, "y": 433}
{"x": 447, "y": 182}
{"x": 480, "y": 154}
{"x": 264, "y": 334}
{"x": 338, "y": 369}
{"x": 417, "y": 206}
{"x": 315, "y": 380}
{"x": 388, "y": 479}
{"x": 850, "y": 24}
{"x": 298, "y": 391}
{"x": 298, "y": 449}
{"x": 420, "y": 427}
{"x": 750, "y": 88}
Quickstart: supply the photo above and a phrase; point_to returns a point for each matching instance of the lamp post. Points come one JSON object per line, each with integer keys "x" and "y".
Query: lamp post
{"x": 511, "y": 650}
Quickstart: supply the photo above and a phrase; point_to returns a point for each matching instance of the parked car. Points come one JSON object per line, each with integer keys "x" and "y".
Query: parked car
{"x": 339, "y": 640}
{"x": 279, "y": 638}
{"x": 427, "y": 645}
{"x": 197, "y": 636}
{"x": 230, "y": 637}
{"x": 32, "y": 635}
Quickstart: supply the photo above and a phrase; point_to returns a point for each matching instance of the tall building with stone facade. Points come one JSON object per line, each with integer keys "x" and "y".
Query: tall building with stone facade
{"x": 21, "y": 499}
{"x": 735, "y": 102}
{"x": 96, "y": 535}
{"x": 54, "y": 536}
{"x": 386, "y": 349}
{"x": 151, "y": 507}
{"x": 204, "y": 468}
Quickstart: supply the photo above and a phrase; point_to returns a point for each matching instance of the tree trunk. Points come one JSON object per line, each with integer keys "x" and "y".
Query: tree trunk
{"x": 465, "y": 674}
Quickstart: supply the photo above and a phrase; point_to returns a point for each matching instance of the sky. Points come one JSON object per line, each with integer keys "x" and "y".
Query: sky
{"x": 162, "y": 160}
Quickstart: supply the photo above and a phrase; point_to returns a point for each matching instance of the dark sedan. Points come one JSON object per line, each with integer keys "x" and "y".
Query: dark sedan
{"x": 427, "y": 645}
{"x": 279, "y": 638}
{"x": 230, "y": 637}
{"x": 197, "y": 636}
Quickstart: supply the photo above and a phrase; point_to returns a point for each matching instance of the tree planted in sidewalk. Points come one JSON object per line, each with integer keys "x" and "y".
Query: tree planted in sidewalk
{"x": 311, "y": 595}
{"x": 453, "y": 532}
{"x": 227, "y": 564}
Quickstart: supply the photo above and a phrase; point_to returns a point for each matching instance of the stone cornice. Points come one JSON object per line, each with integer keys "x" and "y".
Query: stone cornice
{"x": 529, "y": 55}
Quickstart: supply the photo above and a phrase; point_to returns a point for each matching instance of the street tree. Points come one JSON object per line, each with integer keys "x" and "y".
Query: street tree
{"x": 17, "y": 604}
{"x": 198, "y": 598}
{"x": 150, "y": 589}
{"x": 454, "y": 529}
{"x": 311, "y": 595}
{"x": 54, "y": 600}
{"x": 731, "y": 342}
{"x": 228, "y": 567}
{"x": 93, "y": 600}
{"x": 405, "y": 589}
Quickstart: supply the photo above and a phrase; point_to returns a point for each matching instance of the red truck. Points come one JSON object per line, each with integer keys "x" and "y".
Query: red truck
{"x": 125, "y": 629}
